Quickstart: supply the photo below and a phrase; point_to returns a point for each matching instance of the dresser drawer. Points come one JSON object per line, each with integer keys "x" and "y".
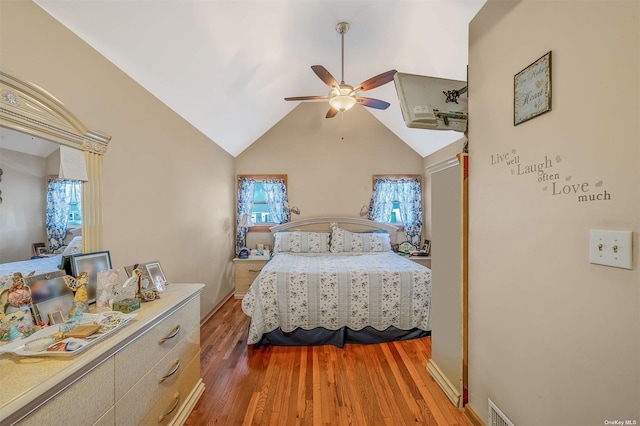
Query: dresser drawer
{"x": 249, "y": 269}
{"x": 84, "y": 402}
{"x": 137, "y": 358}
{"x": 172, "y": 402}
{"x": 161, "y": 380}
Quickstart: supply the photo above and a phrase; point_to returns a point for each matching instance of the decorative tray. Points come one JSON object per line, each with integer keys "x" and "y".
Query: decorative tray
{"x": 41, "y": 343}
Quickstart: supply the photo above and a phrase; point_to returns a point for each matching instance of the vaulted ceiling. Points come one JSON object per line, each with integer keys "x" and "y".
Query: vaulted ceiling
{"x": 226, "y": 66}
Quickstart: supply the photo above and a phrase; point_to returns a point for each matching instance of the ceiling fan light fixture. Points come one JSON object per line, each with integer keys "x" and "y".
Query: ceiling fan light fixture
{"x": 342, "y": 102}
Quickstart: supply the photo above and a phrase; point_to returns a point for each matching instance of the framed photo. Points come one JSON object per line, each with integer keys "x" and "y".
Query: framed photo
{"x": 39, "y": 249}
{"x": 152, "y": 275}
{"x": 532, "y": 90}
{"x": 47, "y": 286}
{"x": 62, "y": 304}
{"x": 56, "y": 317}
{"x": 426, "y": 247}
{"x": 156, "y": 274}
{"x": 65, "y": 264}
{"x": 92, "y": 263}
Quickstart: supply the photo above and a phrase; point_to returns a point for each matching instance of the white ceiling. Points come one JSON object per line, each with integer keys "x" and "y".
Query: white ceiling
{"x": 226, "y": 66}
{"x": 25, "y": 143}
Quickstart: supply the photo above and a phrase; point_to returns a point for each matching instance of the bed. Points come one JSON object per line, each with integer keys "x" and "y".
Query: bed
{"x": 38, "y": 265}
{"x": 337, "y": 286}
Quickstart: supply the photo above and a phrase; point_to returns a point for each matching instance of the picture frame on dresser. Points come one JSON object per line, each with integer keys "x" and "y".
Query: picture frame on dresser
{"x": 39, "y": 249}
{"x": 92, "y": 263}
{"x": 156, "y": 274}
{"x": 62, "y": 304}
{"x": 152, "y": 275}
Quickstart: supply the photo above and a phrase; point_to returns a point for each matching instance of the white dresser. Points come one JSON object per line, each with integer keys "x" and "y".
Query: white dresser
{"x": 146, "y": 373}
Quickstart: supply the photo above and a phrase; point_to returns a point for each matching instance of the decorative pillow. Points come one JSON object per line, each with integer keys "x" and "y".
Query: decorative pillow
{"x": 74, "y": 247}
{"x": 345, "y": 241}
{"x": 301, "y": 242}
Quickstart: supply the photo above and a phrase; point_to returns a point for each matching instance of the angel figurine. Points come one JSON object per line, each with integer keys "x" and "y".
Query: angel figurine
{"x": 81, "y": 298}
{"x": 19, "y": 293}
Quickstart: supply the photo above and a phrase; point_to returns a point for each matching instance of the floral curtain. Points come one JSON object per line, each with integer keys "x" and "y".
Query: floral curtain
{"x": 408, "y": 194}
{"x": 246, "y": 188}
{"x": 276, "y": 194}
{"x": 57, "y": 213}
{"x": 410, "y": 199}
{"x": 381, "y": 204}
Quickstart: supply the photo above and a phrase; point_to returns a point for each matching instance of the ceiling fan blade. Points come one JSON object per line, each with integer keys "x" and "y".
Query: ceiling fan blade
{"x": 325, "y": 75}
{"x": 331, "y": 113}
{"x": 376, "y": 81}
{"x": 373, "y": 103}
{"x": 305, "y": 98}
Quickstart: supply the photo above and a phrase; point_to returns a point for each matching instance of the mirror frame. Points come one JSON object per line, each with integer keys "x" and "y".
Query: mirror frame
{"x": 30, "y": 109}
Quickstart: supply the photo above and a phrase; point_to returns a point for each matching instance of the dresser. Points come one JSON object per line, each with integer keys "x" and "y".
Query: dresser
{"x": 246, "y": 270}
{"x": 148, "y": 372}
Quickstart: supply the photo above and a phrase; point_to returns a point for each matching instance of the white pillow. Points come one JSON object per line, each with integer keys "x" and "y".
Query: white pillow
{"x": 345, "y": 241}
{"x": 74, "y": 247}
{"x": 301, "y": 242}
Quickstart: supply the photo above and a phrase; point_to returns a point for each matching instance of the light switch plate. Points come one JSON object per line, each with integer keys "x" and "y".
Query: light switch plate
{"x": 611, "y": 248}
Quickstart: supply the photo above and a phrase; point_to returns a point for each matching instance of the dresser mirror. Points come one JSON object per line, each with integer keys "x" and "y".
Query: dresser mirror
{"x": 32, "y": 118}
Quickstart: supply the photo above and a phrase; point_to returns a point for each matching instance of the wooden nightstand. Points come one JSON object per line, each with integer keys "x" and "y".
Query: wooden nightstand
{"x": 246, "y": 270}
{"x": 423, "y": 260}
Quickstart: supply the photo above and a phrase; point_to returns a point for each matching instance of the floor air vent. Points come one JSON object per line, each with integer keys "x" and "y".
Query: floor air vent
{"x": 497, "y": 417}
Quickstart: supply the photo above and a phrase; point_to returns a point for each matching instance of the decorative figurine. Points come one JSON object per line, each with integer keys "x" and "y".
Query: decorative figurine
{"x": 81, "y": 298}
{"x": 19, "y": 293}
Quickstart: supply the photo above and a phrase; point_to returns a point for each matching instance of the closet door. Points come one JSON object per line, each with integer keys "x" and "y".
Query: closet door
{"x": 448, "y": 264}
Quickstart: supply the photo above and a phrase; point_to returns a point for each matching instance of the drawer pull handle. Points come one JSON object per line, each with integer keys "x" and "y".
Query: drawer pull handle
{"x": 255, "y": 270}
{"x": 173, "y": 333}
{"x": 170, "y": 373}
{"x": 170, "y": 410}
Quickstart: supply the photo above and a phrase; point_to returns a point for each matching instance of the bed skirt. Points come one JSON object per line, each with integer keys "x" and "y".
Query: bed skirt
{"x": 321, "y": 336}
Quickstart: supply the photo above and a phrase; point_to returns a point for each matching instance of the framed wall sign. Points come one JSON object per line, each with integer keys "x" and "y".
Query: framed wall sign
{"x": 532, "y": 90}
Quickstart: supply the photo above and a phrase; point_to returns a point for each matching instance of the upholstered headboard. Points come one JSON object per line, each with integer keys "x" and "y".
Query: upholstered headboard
{"x": 353, "y": 224}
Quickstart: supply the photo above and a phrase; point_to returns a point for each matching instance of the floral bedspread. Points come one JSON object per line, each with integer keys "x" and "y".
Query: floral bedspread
{"x": 332, "y": 291}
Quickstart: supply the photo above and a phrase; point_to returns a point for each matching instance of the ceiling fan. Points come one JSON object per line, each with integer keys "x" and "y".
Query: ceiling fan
{"x": 343, "y": 96}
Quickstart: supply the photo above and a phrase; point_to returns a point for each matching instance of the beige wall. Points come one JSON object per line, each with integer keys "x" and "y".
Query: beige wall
{"x": 22, "y": 210}
{"x": 329, "y": 162}
{"x": 553, "y": 339}
{"x": 168, "y": 190}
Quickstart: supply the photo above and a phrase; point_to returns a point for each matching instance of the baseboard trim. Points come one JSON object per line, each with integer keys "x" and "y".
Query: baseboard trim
{"x": 215, "y": 308}
{"x": 454, "y": 395}
{"x": 472, "y": 416}
{"x": 190, "y": 403}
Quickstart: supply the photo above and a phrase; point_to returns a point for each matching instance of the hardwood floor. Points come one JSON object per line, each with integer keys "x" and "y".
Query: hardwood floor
{"x": 382, "y": 384}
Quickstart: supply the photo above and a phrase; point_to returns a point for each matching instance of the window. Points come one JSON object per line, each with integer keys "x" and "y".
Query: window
{"x": 75, "y": 204}
{"x": 264, "y": 199}
{"x": 390, "y": 182}
{"x": 397, "y": 199}
{"x": 260, "y": 211}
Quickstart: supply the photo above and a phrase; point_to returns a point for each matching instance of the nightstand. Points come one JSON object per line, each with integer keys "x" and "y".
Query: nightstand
{"x": 246, "y": 270}
{"x": 423, "y": 260}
